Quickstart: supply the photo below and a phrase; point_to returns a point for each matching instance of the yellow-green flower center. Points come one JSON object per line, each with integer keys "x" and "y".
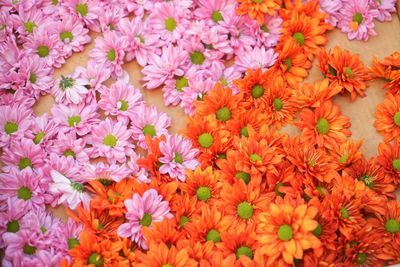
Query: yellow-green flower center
{"x": 24, "y": 193}
{"x": 30, "y": 26}
{"x": 367, "y": 181}
{"x": 24, "y": 162}
{"x": 223, "y": 114}
{"x": 32, "y": 77}
{"x": 255, "y": 158}
{"x": 344, "y": 212}
{"x": 396, "y": 118}
{"x": 285, "y": 232}
{"x": 332, "y": 70}
{"x": 203, "y": 193}
{"x": 66, "y": 82}
{"x": 213, "y": 235}
{"x": 197, "y": 58}
{"x": 358, "y": 17}
{"x": 299, "y": 38}
{"x": 72, "y": 242}
{"x": 66, "y": 35}
{"x": 258, "y": 1}
{"x": 276, "y": 190}
{"x": 42, "y": 51}
{"x": 244, "y": 250}
{"x": 181, "y": 83}
{"x": 78, "y": 186}
{"x": 69, "y": 152}
{"x": 149, "y": 129}
{"x": 29, "y": 250}
{"x": 392, "y": 226}
{"x": 146, "y": 219}
{"x": 343, "y": 159}
{"x": 317, "y": 231}
{"x": 178, "y": 158}
{"x": 110, "y": 140}
{"x": 216, "y": 16}
{"x": 74, "y": 120}
{"x": 243, "y": 176}
{"x": 257, "y": 91}
{"x": 278, "y": 104}
{"x": 264, "y": 28}
{"x": 170, "y": 24}
{"x": 206, "y": 140}
{"x": 124, "y": 105}
{"x": 96, "y": 259}
{"x": 183, "y": 221}
{"x": 111, "y": 54}
{"x": 322, "y": 126}
{"x": 361, "y": 258}
{"x": 245, "y": 210}
{"x": 13, "y": 226}
{"x": 82, "y": 9}
{"x": 244, "y": 132}
{"x": 10, "y": 127}
{"x": 396, "y": 164}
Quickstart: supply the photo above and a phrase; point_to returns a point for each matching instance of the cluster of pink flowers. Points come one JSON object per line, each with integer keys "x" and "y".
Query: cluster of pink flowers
{"x": 356, "y": 17}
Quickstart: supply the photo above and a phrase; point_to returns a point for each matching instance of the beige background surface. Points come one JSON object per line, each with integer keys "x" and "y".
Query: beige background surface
{"x": 361, "y": 111}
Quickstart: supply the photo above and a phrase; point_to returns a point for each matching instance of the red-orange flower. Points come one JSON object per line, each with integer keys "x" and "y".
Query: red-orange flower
{"x": 389, "y": 159}
{"x": 389, "y": 70}
{"x": 347, "y": 153}
{"x": 387, "y": 115}
{"x": 256, "y": 9}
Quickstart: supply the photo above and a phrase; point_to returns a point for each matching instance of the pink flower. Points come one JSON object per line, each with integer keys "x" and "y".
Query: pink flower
{"x": 27, "y": 22}
{"x": 10, "y": 56}
{"x": 69, "y": 235}
{"x": 168, "y": 21}
{"x": 110, "y": 17}
{"x": 110, "y": 51}
{"x": 267, "y": 34}
{"x": 10, "y": 219}
{"x": 171, "y": 63}
{"x": 213, "y": 11}
{"x": 95, "y": 73}
{"x": 7, "y": 25}
{"x": 14, "y": 123}
{"x": 226, "y": 75}
{"x": 104, "y": 171}
{"x": 141, "y": 43}
{"x": 148, "y": 121}
{"x": 140, "y": 173}
{"x": 43, "y": 130}
{"x": 143, "y": 211}
{"x": 332, "y": 8}
{"x": 70, "y": 89}
{"x": 86, "y": 10}
{"x": 67, "y": 166}
{"x": 121, "y": 99}
{"x": 178, "y": 155}
{"x": 16, "y": 98}
{"x": 384, "y": 7}
{"x": 194, "y": 93}
{"x": 356, "y": 19}
{"x": 110, "y": 139}
{"x": 23, "y": 154}
{"x": 69, "y": 146}
{"x": 79, "y": 118}
{"x": 25, "y": 186}
{"x": 259, "y": 57}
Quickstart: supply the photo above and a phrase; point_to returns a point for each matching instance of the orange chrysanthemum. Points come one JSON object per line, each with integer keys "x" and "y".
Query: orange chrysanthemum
{"x": 387, "y": 115}
{"x": 346, "y": 153}
{"x": 256, "y": 9}
{"x": 387, "y": 225}
{"x": 342, "y": 68}
{"x": 254, "y": 118}
{"x": 160, "y": 255}
{"x": 285, "y": 230}
{"x": 389, "y": 70}
{"x": 199, "y": 251}
{"x": 389, "y": 160}
{"x": 163, "y": 232}
{"x": 184, "y": 207}
{"x": 325, "y": 126}
{"x": 91, "y": 252}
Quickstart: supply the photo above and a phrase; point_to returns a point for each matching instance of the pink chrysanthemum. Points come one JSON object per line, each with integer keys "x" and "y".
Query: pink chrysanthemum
{"x": 213, "y": 11}
{"x": 70, "y": 89}
{"x": 110, "y": 17}
{"x": 104, "y": 171}
{"x": 15, "y": 120}
{"x": 7, "y": 25}
{"x": 259, "y": 57}
{"x": 28, "y": 21}
{"x": 332, "y": 8}
{"x": 110, "y": 51}
{"x": 226, "y": 76}
{"x": 178, "y": 155}
{"x": 194, "y": 93}
{"x": 69, "y": 235}
{"x": 79, "y": 118}
{"x": 384, "y": 7}
{"x": 143, "y": 211}
{"x": 356, "y": 19}
{"x": 26, "y": 186}
{"x": 10, "y": 56}
{"x": 10, "y": 219}
{"x": 67, "y": 166}
{"x": 110, "y": 139}
{"x": 23, "y": 154}
{"x": 140, "y": 173}
{"x": 168, "y": 21}
{"x": 267, "y": 34}
{"x": 171, "y": 63}
{"x": 95, "y": 73}
{"x": 86, "y": 10}
{"x": 68, "y": 145}
{"x": 121, "y": 99}
{"x": 141, "y": 43}
{"x": 149, "y": 121}
{"x": 43, "y": 130}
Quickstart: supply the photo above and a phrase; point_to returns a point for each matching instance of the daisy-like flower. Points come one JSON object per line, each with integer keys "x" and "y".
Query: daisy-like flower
{"x": 332, "y": 8}
{"x": 160, "y": 68}
{"x": 69, "y": 192}
{"x": 70, "y": 89}
{"x": 110, "y": 139}
{"x": 195, "y": 92}
{"x": 142, "y": 211}
{"x": 356, "y": 19}
{"x": 168, "y": 21}
{"x": 384, "y": 8}
{"x": 388, "y": 223}
{"x": 342, "y": 68}
{"x": 14, "y": 123}
{"x": 10, "y": 219}
{"x": 284, "y": 231}
{"x": 268, "y": 33}
{"x": 86, "y": 10}
{"x": 258, "y": 57}
{"x": 77, "y": 118}
{"x": 7, "y": 26}
{"x": 149, "y": 121}
{"x": 67, "y": 166}
{"x": 325, "y": 126}
{"x": 95, "y": 73}
{"x": 105, "y": 172}
{"x": 389, "y": 159}
{"x": 387, "y": 115}
{"x": 121, "y": 99}
{"x": 177, "y": 156}
{"x": 28, "y": 21}
{"x": 43, "y": 130}
{"x": 213, "y": 10}
{"x": 256, "y": 9}
{"x": 110, "y": 16}
{"x": 110, "y": 51}
{"x": 347, "y": 153}
{"x": 141, "y": 43}
{"x": 68, "y": 145}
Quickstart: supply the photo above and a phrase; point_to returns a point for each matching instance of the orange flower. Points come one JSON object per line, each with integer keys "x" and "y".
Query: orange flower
{"x": 221, "y": 103}
{"x": 292, "y": 64}
{"x": 325, "y": 127}
{"x": 159, "y": 255}
{"x": 184, "y": 207}
{"x": 91, "y": 252}
{"x": 285, "y": 230}
{"x": 286, "y": 182}
{"x": 346, "y": 153}
{"x": 387, "y": 115}
{"x": 314, "y": 94}
{"x": 388, "y": 223}
{"x": 256, "y": 9}
{"x": 344, "y": 69}
{"x": 389, "y": 159}
{"x": 389, "y": 70}
{"x": 199, "y": 251}
{"x": 163, "y": 232}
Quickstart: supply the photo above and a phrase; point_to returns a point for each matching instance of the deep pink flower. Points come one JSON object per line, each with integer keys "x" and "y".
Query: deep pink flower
{"x": 110, "y": 51}
{"x": 143, "y": 211}
{"x": 68, "y": 145}
{"x": 101, "y": 170}
{"x": 79, "y": 118}
{"x": 259, "y": 57}
{"x": 178, "y": 155}
{"x": 148, "y": 121}
{"x": 110, "y": 139}
{"x": 10, "y": 220}
{"x": 15, "y": 121}
{"x": 171, "y": 63}
{"x": 121, "y": 99}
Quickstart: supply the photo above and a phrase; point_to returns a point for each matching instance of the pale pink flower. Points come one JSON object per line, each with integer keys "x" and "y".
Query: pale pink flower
{"x": 259, "y": 57}
{"x": 15, "y": 120}
{"x": 332, "y": 8}
{"x": 148, "y": 121}
{"x": 121, "y": 99}
{"x": 79, "y": 118}
{"x": 110, "y": 51}
{"x": 178, "y": 155}
{"x": 69, "y": 146}
{"x": 85, "y": 10}
{"x": 267, "y": 34}
{"x": 17, "y": 98}
{"x": 384, "y": 7}
{"x": 110, "y": 139}
{"x": 10, "y": 56}
{"x": 143, "y": 211}
{"x": 104, "y": 171}
{"x": 170, "y": 63}
{"x": 70, "y": 89}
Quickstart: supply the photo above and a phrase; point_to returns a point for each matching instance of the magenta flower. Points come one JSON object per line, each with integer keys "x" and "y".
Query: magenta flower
{"x": 168, "y": 21}
{"x": 23, "y": 154}
{"x": 194, "y": 93}
{"x": 15, "y": 120}
{"x": 178, "y": 155}
{"x": 68, "y": 145}
{"x": 104, "y": 171}
{"x": 10, "y": 219}
{"x": 143, "y": 211}
{"x": 259, "y": 57}
{"x": 149, "y": 121}
{"x": 121, "y": 99}
{"x": 384, "y": 7}
{"x": 110, "y": 51}
{"x": 171, "y": 63}
{"x": 79, "y": 118}
{"x": 356, "y": 19}
{"x": 70, "y": 89}
{"x": 141, "y": 43}
{"x": 110, "y": 139}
